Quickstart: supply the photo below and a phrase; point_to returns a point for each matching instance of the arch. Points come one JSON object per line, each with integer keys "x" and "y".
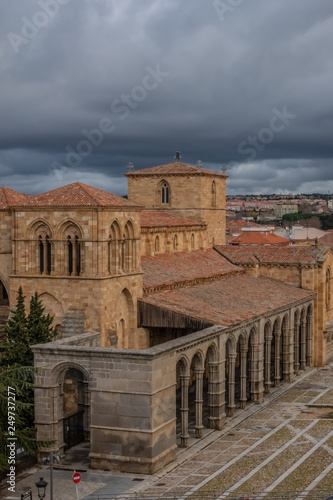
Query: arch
{"x": 196, "y": 394}
{"x": 129, "y": 251}
{"x": 39, "y": 226}
{"x": 53, "y": 307}
{"x": 126, "y": 313}
{"x": 59, "y": 369}
{"x": 69, "y": 227}
{"x": 184, "y": 363}
{"x": 157, "y": 244}
{"x": 70, "y": 236}
{"x": 163, "y": 193}
{"x": 40, "y": 231}
{"x": 71, "y": 404}
{"x": 213, "y": 194}
{"x": 114, "y": 255}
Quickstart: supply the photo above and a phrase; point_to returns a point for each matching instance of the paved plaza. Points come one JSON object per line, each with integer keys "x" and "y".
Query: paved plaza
{"x": 280, "y": 449}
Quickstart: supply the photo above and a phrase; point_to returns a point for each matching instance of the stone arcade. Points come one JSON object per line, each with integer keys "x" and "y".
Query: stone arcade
{"x": 161, "y": 333}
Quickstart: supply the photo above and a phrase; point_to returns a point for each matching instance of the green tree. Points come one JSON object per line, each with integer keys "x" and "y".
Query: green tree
{"x": 18, "y": 372}
{"x": 39, "y": 324}
{"x": 17, "y": 381}
{"x": 15, "y": 350}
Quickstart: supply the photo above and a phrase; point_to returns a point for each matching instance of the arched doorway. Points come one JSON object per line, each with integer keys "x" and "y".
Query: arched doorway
{"x": 196, "y": 396}
{"x": 75, "y": 406}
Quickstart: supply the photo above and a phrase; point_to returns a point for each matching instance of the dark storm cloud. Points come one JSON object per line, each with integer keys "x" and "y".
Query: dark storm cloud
{"x": 139, "y": 80}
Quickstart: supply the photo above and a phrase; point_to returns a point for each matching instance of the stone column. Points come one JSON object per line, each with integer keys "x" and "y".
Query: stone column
{"x": 231, "y": 404}
{"x": 198, "y": 402}
{"x": 243, "y": 357}
{"x": 309, "y": 341}
{"x": 296, "y": 347}
{"x": 257, "y": 372}
{"x": 268, "y": 349}
{"x": 216, "y": 395}
{"x": 288, "y": 361}
{"x": 184, "y": 381}
{"x": 303, "y": 344}
{"x": 277, "y": 375}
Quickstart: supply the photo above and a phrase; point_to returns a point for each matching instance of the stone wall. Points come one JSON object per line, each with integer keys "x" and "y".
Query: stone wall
{"x": 190, "y": 196}
{"x": 130, "y": 401}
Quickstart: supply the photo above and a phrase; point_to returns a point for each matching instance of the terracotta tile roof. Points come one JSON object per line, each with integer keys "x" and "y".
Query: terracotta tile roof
{"x": 151, "y": 218}
{"x": 167, "y": 269}
{"x": 10, "y": 198}
{"x": 327, "y": 239}
{"x": 256, "y": 238}
{"x": 292, "y": 255}
{"x": 174, "y": 168}
{"x": 72, "y": 195}
{"x": 229, "y": 301}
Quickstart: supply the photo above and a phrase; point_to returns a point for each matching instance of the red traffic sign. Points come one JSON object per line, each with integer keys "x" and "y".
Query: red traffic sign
{"x": 76, "y": 477}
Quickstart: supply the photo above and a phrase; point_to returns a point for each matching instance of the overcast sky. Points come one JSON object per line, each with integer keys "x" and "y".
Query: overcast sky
{"x": 88, "y": 86}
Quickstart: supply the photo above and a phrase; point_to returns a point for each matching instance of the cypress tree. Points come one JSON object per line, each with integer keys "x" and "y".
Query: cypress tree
{"x": 39, "y": 324}
{"x": 15, "y": 350}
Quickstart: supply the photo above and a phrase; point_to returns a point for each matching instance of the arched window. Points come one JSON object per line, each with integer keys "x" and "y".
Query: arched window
{"x": 175, "y": 242}
{"x": 41, "y": 255}
{"x": 43, "y": 249}
{"x": 192, "y": 242}
{"x": 48, "y": 254}
{"x": 74, "y": 248}
{"x": 78, "y": 256}
{"x": 114, "y": 254}
{"x": 328, "y": 289}
{"x": 129, "y": 257}
{"x": 157, "y": 244}
{"x": 213, "y": 194}
{"x": 165, "y": 194}
{"x": 70, "y": 255}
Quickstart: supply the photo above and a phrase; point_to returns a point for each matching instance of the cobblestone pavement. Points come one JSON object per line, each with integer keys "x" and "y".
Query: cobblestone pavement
{"x": 268, "y": 451}
{"x": 284, "y": 450}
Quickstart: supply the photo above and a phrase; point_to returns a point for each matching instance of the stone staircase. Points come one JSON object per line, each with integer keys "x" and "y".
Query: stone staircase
{"x": 73, "y": 323}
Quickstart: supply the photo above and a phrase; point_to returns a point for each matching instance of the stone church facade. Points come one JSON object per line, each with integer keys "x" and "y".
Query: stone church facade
{"x": 161, "y": 333}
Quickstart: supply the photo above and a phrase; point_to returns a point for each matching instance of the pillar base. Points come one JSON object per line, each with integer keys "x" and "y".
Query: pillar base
{"x": 105, "y": 461}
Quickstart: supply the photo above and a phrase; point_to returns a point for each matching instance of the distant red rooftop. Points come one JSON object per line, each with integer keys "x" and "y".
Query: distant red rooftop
{"x": 174, "y": 168}
{"x": 256, "y": 238}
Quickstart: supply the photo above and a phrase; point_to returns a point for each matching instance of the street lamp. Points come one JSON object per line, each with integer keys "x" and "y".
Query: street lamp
{"x": 51, "y": 460}
{"x": 41, "y": 485}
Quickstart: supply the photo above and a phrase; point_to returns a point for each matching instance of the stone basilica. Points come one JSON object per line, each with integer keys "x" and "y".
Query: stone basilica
{"x": 163, "y": 331}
